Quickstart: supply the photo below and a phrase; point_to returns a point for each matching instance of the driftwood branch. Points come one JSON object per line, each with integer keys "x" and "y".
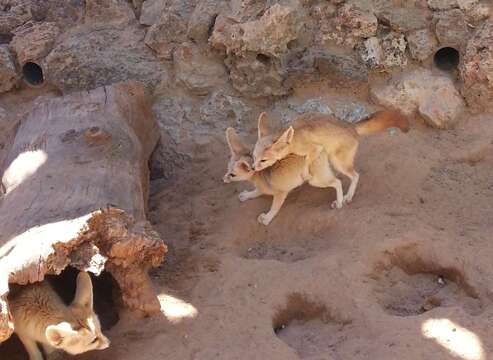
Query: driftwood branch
{"x": 76, "y": 188}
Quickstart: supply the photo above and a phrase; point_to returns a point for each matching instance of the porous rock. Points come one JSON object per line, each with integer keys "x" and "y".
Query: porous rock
{"x": 257, "y": 76}
{"x": 451, "y": 28}
{"x": 442, "y": 4}
{"x": 151, "y": 11}
{"x": 87, "y": 59}
{"x": 202, "y": 19}
{"x": 405, "y": 19}
{"x": 268, "y": 35}
{"x": 434, "y": 97}
{"x": 9, "y": 77}
{"x": 350, "y": 25}
{"x": 164, "y": 35}
{"x": 422, "y": 44}
{"x": 198, "y": 70}
{"x": 109, "y": 12}
{"x": 477, "y": 68}
{"x": 385, "y": 52}
{"x": 33, "y": 41}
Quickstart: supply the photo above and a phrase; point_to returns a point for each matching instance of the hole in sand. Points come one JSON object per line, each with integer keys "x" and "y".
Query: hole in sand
{"x": 105, "y": 291}
{"x": 33, "y": 73}
{"x": 411, "y": 286}
{"x": 309, "y": 327}
{"x": 264, "y": 59}
{"x": 446, "y": 59}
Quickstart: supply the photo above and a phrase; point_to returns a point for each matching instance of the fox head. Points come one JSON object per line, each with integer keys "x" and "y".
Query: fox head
{"x": 81, "y": 331}
{"x": 239, "y": 165}
{"x": 269, "y": 147}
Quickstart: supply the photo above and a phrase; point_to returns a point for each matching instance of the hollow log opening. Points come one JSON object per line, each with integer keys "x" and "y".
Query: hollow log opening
{"x": 33, "y": 73}
{"x": 446, "y": 59}
{"x": 107, "y": 302}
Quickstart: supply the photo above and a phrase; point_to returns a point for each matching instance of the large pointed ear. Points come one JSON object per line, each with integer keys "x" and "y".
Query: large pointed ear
{"x": 263, "y": 127}
{"x": 83, "y": 294}
{"x": 234, "y": 142}
{"x": 55, "y": 334}
{"x": 285, "y": 138}
{"x": 245, "y": 165}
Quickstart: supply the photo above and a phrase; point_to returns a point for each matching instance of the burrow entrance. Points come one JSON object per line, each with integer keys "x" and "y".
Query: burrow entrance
{"x": 33, "y": 74}
{"x": 309, "y": 327}
{"x": 447, "y": 59}
{"x": 106, "y": 294}
{"x": 411, "y": 286}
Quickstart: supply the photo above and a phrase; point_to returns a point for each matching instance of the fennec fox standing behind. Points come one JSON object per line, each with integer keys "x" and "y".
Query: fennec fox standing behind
{"x": 312, "y": 133}
{"x": 40, "y": 316}
{"x": 279, "y": 179}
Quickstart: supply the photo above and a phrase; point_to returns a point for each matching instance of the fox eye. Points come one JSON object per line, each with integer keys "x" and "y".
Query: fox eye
{"x": 263, "y": 160}
{"x": 232, "y": 175}
{"x": 94, "y": 341}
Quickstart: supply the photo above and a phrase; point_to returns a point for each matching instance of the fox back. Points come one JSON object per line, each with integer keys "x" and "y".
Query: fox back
{"x": 40, "y": 316}
{"x": 312, "y": 129}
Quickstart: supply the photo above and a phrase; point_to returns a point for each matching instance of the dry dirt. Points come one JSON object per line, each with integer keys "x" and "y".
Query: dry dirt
{"x": 403, "y": 272}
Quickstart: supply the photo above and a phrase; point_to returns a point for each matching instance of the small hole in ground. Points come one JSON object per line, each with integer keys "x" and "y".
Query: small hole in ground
{"x": 308, "y": 327}
{"x": 446, "y": 59}
{"x": 264, "y": 59}
{"x": 33, "y": 73}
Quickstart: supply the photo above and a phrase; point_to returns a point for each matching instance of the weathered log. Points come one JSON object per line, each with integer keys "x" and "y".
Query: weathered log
{"x": 76, "y": 187}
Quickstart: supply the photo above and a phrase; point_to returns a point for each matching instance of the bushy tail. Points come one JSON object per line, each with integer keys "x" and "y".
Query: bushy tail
{"x": 380, "y": 121}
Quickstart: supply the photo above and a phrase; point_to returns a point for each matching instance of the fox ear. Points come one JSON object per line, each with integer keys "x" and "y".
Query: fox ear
{"x": 234, "y": 142}
{"x": 83, "y": 294}
{"x": 55, "y": 334}
{"x": 245, "y": 165}
{"x": 285, "y": 138}
{"x": 263, "y": 127}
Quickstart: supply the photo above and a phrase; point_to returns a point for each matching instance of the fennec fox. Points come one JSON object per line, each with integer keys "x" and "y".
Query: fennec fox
{"x": 40, "y": 316}
{"x": 279, "y": 179}
{"x": 312, "y": 133}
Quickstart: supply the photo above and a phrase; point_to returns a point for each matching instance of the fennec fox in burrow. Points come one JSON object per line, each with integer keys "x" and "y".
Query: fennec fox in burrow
{"x": 312, "y": 133}
{"x": 40, "y": 316}
{"x": 279, "y": 179}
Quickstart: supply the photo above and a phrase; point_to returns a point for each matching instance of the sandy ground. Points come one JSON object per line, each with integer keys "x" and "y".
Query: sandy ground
{"x": 403, "y": 272}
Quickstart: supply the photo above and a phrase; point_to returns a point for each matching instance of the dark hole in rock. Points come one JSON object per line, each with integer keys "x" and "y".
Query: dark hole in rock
{"x": 264, "y": 59}
{"x": 446, "y": 59}
{"x": 33, "y": 73}
{"x": 106, "y": 304}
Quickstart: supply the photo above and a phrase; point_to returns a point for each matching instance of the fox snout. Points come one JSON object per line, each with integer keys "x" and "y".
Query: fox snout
{"x": 227, "y": 178}
{"x": 105, "y": 343}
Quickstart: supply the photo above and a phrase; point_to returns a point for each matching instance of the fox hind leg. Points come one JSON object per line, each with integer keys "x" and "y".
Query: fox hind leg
{"x": 324, "y": 177}
{"x": 343, "y": 161}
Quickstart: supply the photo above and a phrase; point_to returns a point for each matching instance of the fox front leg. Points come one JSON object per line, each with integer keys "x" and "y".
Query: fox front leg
{"x": 277, "y": 202}
{"x": 248, "y": 195}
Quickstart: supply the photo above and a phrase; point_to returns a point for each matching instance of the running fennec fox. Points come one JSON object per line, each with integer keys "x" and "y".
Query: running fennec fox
{"x": 40, "y": 316}
{"x": 312, "y": 133}
{"x": 279, "y": 179}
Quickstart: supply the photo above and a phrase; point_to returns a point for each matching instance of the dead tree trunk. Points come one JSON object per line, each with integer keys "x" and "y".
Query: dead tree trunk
{"x": 76, "y": 186}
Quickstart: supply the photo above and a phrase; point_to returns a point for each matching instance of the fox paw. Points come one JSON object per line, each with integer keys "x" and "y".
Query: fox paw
{"x": 243, "y": 196}
{"x": 347, "y": 199}
{"x": 264, "y": 219}
{"x": 336, "y": 205}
